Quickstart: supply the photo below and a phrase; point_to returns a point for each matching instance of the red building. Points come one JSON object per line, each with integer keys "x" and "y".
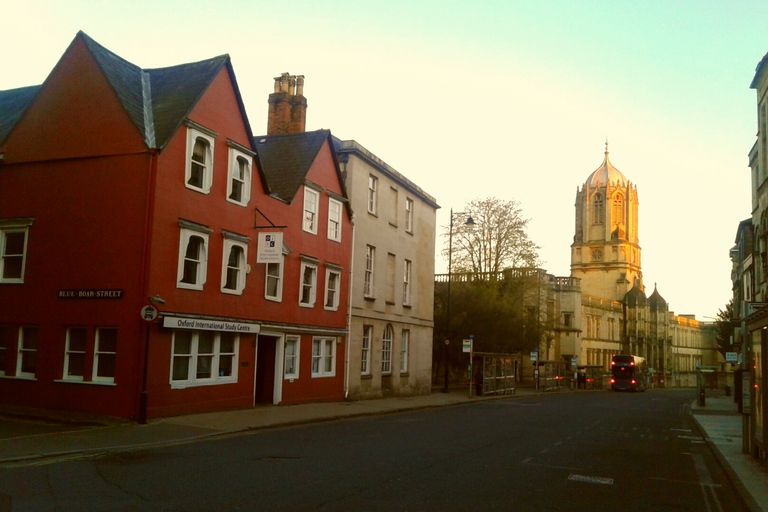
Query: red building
{"x": 123, "y": 187}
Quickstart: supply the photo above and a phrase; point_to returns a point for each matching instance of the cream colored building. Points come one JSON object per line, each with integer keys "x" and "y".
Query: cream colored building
{"x": 392, "y": 294}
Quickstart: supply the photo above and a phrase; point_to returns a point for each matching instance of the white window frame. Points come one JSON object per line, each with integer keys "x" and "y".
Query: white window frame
{"x": 278, "y": 297}
{"x": 373, "y": 191}
{"x": 407, "y": 278}
{"x": 241, "y": 269}
{"x": 311, "y": 210}
{"x": 334, "y": 219}
{"x": 193, "y": 134}
{"x": 306, "y": 265}
{"x": 235, "y": 157}
{"x": 215, "y": 379}
{"x": 386, "y": 350}
{"x": 22, "y": 349}
{"x": 202, "y": 270}
{"x": 405, "y": 342}
{"x": 370, "y": 265}
{"x": 365, "y": 355}
{"x": 99, "y": 352}
{"x": 7, "y": 227}
{"x": 408, "y": 215}
{"x": 69, "y": 352}
{"x": 334, "y": 302}
{"x": 323, "y": 353}
{"x": 295, "y": 357}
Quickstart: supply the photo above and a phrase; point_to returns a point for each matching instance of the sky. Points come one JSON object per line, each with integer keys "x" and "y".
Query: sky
{"x": 486, "y": 98}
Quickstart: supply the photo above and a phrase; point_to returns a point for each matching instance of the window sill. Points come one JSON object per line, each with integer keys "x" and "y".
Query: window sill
{"x": 369, "y": 297}
{"x": 302, "y": 305}
{"x": 366, "y": 376}
{"x": 322, "y": 376}
{"x": 88, "y": 382}
{"x": 18, "y": 377}
{"x": 273, "y": 299}
{"x": 409, "y": 306}
{"x": 405, "y": 374}
{"x": 186, "y": 384}
{"x": 390, "y": 302}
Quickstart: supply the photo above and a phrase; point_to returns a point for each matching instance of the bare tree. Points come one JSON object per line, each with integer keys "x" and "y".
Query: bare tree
{"x": 497, "y": 240}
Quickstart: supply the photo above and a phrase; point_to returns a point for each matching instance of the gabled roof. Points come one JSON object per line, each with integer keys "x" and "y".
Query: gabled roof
{"x": 13, "y": 104}
{"x": 156, "y": 100}
{"x": 286, "y": 159}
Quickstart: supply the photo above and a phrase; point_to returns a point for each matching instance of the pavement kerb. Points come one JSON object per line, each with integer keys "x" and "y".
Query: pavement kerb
{"x": 744, "y": 495}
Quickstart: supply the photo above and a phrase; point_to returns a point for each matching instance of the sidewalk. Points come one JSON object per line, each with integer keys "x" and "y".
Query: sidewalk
{"x": 28, "y": 441}
{"x": 80, "y": 437}
{"x": 720, "y": 422}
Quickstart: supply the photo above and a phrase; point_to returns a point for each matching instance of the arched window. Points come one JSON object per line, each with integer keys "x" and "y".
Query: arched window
{"x": 599, "y": 209}
{"x": 618, "y": 209}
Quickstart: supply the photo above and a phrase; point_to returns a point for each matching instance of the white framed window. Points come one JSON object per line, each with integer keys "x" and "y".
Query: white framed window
{"x": 334, "y": 220}
{"x": 373, "y": 190}
{"x": 332, "y": 287}
{"x": 370, "y": 260}
{"x": 273, "y": 285}
{"x": 409, "y": 215}
{"x": 311, "y": 209}
{"x": 193, "y": 258}
{"x": 239, "y": 177}
{"x": 386, "y": 350}
{"x": 407, "y": 283}
{"x": 199, "y": 164}
{"x": 292, "y": 351}
{"x": 365, "y": 357}
{"x": 308, "y": 289}
{"x": 323, "y": 357}
{"x": 105, "y": 355}
{"x": 233, "y": 268}
{"x": 13, "y": 249}
{"x": 405, "y": 342}
{"x": 201, "y": 358}
{"x": 26, "y": 359}
{"x": 74, "y": 353}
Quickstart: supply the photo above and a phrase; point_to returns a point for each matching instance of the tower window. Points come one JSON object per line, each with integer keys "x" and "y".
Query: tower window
{"x": 618, "y": 210}
{"x": 599, "y": 209}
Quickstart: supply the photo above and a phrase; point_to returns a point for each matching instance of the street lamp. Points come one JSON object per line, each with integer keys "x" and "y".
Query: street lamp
{"x": 469, "y": 222}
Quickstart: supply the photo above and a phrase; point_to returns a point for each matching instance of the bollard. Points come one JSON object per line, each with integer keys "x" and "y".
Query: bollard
{"x": 727, "y": 390}
{"x": 702, "y": 398}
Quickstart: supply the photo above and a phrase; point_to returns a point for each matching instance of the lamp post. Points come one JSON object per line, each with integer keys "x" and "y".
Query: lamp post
{"x": 469, "y": 222}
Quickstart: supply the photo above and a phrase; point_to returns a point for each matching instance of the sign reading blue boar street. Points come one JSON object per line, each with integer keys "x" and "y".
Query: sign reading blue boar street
{"x": 179, "y": 322}
{"x": 90, "y": 294}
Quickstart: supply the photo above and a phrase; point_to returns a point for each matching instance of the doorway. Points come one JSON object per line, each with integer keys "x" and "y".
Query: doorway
{"x": 264, "y": 391}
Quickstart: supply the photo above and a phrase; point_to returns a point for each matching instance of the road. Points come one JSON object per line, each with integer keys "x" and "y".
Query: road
{"x": 591, "y": 451}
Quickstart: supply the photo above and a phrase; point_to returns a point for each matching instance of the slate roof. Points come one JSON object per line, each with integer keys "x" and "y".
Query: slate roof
{"x": 13, "y": 104}
{"x": 656, "y": 301}
{"x": 156, "y": 100}
{"x": 635, "y": 297}
{"x": 286, "y": 159}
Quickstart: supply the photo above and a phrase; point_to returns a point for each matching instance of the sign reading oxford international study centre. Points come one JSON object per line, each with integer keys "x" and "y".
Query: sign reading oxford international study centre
{"x": 270, "y": 248}
{"x": 204, "y": 324}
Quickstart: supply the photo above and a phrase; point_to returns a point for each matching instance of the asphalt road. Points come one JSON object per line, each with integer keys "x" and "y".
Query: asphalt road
{"x": 597, "y": 451}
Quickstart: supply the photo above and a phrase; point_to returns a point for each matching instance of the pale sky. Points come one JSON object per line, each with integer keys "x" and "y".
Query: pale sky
{"x": 472, "y": 99}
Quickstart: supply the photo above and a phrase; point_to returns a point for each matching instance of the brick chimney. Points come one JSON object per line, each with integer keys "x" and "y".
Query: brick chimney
{"x": 287, "y": 106}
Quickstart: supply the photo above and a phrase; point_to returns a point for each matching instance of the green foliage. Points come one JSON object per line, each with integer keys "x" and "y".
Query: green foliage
{"x": 725, "y": 328}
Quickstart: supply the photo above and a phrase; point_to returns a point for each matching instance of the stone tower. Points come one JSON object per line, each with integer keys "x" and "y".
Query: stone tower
{"x": 605, "y": 253}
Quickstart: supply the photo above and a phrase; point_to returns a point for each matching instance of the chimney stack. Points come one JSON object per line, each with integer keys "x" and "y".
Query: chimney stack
{"x": 287, "y": 106}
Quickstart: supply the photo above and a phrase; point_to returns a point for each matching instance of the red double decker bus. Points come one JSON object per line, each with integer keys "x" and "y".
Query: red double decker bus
{"x": 628, "y": 373}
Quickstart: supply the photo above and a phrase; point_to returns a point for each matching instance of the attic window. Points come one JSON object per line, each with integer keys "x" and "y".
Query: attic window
{"x": 199, "y": 165}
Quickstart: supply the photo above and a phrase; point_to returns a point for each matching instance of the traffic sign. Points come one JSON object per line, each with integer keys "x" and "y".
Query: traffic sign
{"x": 466, "y": 345}
{"x": 149, "y": 313}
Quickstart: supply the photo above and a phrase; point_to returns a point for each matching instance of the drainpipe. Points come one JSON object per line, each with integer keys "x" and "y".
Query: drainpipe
{"x": 349, "y": 310}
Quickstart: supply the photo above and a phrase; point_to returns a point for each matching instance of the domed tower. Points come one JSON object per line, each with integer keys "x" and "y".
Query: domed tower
{"x": 605, "y": 253}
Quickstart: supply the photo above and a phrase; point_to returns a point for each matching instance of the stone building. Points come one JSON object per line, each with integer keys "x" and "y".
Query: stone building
{"x": 392, "y": 296}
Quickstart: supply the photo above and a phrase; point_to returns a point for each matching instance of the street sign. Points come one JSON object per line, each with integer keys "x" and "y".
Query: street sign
{"x": 731, "y": 357}
{"x": 466, "y": 346}
{"x": 535, "y": 356}
{"x": 148, "y": 313}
